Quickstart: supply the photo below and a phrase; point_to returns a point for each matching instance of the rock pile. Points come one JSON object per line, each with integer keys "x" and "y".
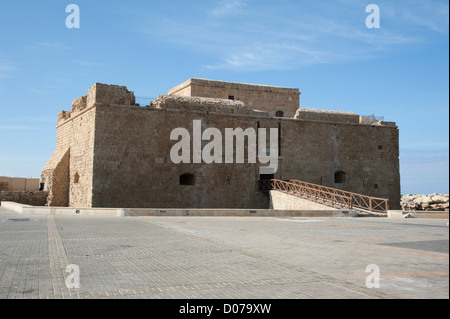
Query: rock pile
{"x": 425, "y": 202}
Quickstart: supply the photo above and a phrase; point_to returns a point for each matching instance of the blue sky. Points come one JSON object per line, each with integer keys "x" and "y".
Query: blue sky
{"x": 399, "y": 71}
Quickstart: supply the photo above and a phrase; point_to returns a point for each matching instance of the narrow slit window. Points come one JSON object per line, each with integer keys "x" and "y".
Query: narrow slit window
{"x": 257, "y": 135}
{"x": 279, "y": 139}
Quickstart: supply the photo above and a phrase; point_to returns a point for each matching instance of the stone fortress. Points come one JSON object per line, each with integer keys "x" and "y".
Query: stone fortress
{"x": 111, "y": 152}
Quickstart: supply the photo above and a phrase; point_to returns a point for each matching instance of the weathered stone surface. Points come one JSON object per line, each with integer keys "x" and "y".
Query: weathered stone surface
{"x": 113, "y": 154}
{"x": 439, "y": 199}
{"x": 367, "y": 120}
{"x": 266, "y": 98}
{"x": 425, "y": 202}
{"x": 63, "y": 116}
{"x": 34, "y": 198}
{"x": 101, "y": 93}
{"x": 79, "y": 104}
{"x": 325, "y": 115}
{"x": 203, "y": 104}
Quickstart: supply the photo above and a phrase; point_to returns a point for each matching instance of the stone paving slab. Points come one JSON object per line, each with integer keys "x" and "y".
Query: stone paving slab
{"x": 221, "y": 257}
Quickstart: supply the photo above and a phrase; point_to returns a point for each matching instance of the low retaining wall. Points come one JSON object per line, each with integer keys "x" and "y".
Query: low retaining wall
{"x": 35, "y": 198}
{"x": 125, "y": 212}
{"x": 45, "y": 210}
{"x": 417, "y": 214}
{"x": 236, "y": 212}
{"x": 283, "y": 201}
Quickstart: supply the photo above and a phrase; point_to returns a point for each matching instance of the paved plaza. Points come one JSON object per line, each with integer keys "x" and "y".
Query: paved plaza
{"x": 222, "y": 257}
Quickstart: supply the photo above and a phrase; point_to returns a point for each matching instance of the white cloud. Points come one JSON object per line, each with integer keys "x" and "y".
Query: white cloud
{"x": 39, "y": 91}
{"x": 16, "y": 127}
{"x": 429, "y": 14}
{"x": 6, "y": 67}
{"x": 50, "y": 45}
{"x": 88, "y": 64}
{"x": 290, "y": 35}
{"x": 228, "y": 8}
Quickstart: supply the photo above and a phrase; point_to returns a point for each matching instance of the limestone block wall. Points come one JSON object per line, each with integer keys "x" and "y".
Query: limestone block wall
{"x": 68, "y": 174}
{"x": 56, "y": 178}
{"x": 132, "y": 167}
{"x": 265, "y": 98}
{"x": 112, "y": 154}
{"x": 101, "y": 93}
{"x": 366, "y": 155}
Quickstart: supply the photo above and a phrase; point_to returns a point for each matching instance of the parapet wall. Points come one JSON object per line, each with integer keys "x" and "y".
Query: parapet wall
{"x": 233, "y": 85}
{"x": 99, "y": 94}
{"x": 203, "y": 104}
{"x": 275, "y": 100}
{"x": 327, "y": 116}
{"x": 338, "y": 117}
{"x": 109, "y": 94}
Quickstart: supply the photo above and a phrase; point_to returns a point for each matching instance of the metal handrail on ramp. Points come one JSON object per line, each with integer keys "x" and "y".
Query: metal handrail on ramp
{"x": 326, "y": 195}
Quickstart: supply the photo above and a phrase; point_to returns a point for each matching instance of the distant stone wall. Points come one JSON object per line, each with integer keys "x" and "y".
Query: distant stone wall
{"x": 37, "y": 198}
{"x": 18, "y": 184}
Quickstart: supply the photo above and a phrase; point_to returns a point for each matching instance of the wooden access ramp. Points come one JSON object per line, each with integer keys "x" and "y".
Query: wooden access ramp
{"x": 328, "y": 196}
